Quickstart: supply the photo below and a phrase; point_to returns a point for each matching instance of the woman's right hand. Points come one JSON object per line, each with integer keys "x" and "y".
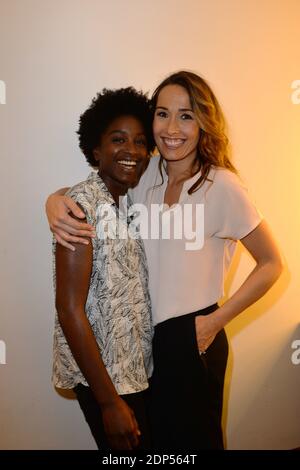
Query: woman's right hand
{"x": 120, "y": 425}
{"x": 66, "y": 228}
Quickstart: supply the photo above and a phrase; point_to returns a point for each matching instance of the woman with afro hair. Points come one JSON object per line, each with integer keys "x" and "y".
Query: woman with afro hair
{"x": 103, "y": 326}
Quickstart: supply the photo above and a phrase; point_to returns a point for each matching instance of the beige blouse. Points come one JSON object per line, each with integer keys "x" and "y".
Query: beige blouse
{"x": 187, "y": 270}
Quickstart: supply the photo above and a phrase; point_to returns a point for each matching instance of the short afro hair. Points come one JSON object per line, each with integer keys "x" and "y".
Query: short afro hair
{"x": 107, "y": 106}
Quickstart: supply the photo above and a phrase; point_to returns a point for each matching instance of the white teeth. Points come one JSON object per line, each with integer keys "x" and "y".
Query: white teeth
{"x": 174, "y": 143}
{"x": 127, "y": 162}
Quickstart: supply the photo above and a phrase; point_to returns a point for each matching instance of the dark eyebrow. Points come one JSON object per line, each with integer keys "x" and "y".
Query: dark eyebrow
{"x": 115, "y": 131}
{"x": 180, "y": 109}
{"x": 120, "y": 131}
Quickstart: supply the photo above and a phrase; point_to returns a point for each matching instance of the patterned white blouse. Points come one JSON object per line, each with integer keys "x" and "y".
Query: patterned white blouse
{"x": 118, "y": 304}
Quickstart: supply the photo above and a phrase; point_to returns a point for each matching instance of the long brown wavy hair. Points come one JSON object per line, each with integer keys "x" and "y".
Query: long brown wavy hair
{"x": 213, "y": 142}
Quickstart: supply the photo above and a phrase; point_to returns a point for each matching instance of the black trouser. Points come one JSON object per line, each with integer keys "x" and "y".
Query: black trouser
{"x": 93, "y": 416}
{"x": 186, "y": 389}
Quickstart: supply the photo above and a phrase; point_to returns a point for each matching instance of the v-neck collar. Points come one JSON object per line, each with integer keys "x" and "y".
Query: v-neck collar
{"x": 187, "y": 184}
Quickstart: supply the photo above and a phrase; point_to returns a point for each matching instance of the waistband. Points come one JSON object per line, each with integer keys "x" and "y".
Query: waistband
{"x": 185, "y": 317}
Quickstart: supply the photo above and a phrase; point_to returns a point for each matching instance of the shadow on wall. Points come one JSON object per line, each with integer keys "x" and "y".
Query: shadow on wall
{"x": 281, "y": 385}
{"x": 275, "y": 379}
{"x": 258, "y": 309}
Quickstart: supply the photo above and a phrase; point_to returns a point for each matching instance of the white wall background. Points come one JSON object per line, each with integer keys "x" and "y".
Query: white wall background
{"x": 54, "y": 56}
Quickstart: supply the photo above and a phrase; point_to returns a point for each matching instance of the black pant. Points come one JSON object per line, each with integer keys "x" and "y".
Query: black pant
{"x": 92, "y": 412}
{"x": 186, "y": 389}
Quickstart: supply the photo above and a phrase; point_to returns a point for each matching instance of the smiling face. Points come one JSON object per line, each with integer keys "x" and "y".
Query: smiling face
{"x": 175, "y": 128}
{"x": 122, "y": 154}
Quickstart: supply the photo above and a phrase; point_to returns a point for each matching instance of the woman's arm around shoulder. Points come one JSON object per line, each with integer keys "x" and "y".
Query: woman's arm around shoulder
{"x": 66, "y": 228}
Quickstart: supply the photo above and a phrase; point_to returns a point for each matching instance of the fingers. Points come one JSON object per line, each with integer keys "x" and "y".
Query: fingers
{"x": 63, "y": 243}
{"x": 128, "y": 441}
{"x": 204, "y": 339}
{"x": 72, "y": 206}
{"x": 73, "y": 226}
{"x": 65, "y": 233}
{"x": 203, "y": 344}
{"x": 65, "y": 239}
{"x": 121, "y": 426}
{"x": 124, "y": 442}
{"x": 134, "y": 439}
{"x": 135, "y": 423}
{"x": 120, "y": 443}
{"x": 136, "y": 433}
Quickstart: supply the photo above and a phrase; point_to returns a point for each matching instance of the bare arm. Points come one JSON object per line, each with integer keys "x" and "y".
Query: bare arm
{"x": 73, "y": 271}
{"x": 66, "y": 228}
{"x": 61, "y": 191}
{"x": 262, "y": 247}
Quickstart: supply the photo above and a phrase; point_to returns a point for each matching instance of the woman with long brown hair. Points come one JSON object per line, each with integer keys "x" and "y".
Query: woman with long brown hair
{"x": 200, "y": 195}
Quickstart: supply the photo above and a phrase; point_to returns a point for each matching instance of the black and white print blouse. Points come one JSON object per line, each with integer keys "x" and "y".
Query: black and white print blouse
{"x": 118, "y": 303}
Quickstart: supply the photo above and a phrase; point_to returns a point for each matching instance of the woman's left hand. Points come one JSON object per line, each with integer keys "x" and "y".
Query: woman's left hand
{"x": 205, "y": 331}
